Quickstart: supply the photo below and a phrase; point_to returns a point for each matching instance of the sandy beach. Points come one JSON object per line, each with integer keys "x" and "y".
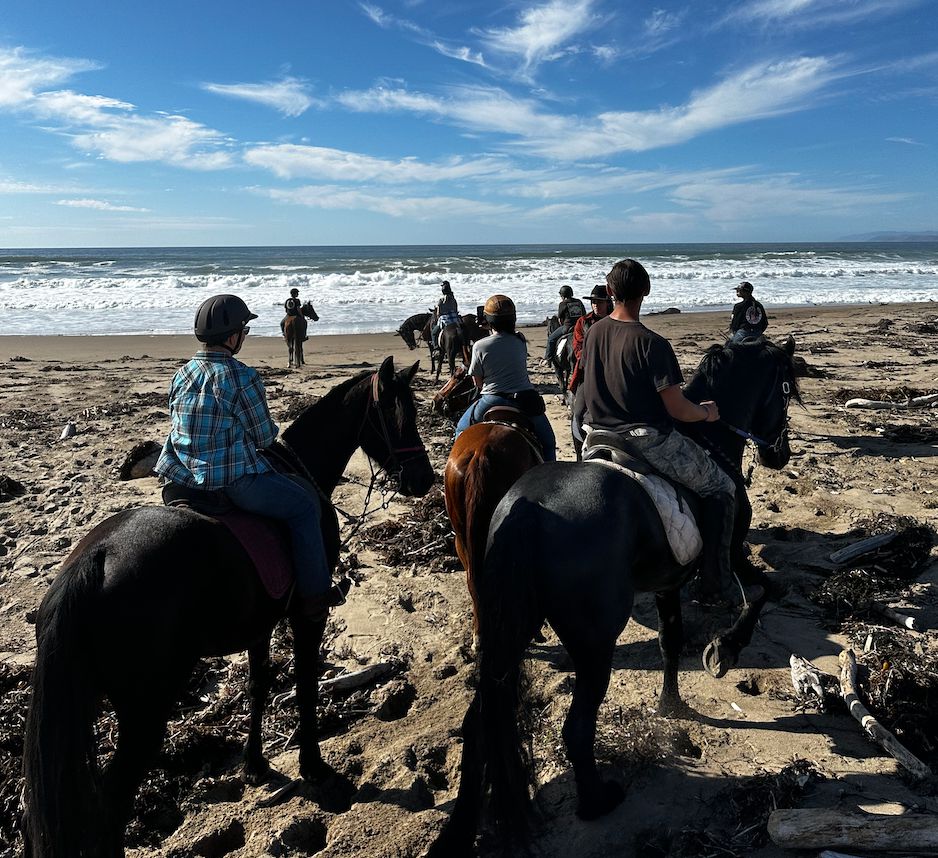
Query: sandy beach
{"x": 694, "y": 786}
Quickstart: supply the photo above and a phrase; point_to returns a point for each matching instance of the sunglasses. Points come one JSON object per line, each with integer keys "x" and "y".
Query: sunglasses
{"x": 246, "y": 329}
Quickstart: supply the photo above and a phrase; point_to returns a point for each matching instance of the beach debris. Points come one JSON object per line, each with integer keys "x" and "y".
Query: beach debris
{"x": 803, "y": 369}
{"x": 68, "y": 431}
{"x": 872, "y": 727}
{"x": 913, "y": 402}
{"x": 903, "y": 620}
{"x": 806, "y": 678}
{"x": 140, "y": 461}
{"x": 864, "y": 546}
{"x": 819, "y": 828}
{"x": 10, "y": 488}
{"x": 883, "y": 325}
{"x": 901, "y": 393}
{"x": 19, "y": 359}
{"x": 280, "y": 794}
{"x": 349, "y": 680}
{"x": 911, "y": 434}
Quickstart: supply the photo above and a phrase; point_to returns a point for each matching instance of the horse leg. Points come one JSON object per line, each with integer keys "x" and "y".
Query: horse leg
{"x": 723, "y": 651}
{"x": 307, "y": 638}
{"x": 595, "y": 796}
{"x": 670, "y": 641}
{"x": 256, "y": 767}
{"x": 299, "y": 352}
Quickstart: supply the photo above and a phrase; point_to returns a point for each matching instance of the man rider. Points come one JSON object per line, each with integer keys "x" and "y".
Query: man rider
{"x": 500, "y": 372}
{"x": 601, "y": 307}
{"x": 632, "y": 385}
{"x": 749, "y": 320}
{"x": 447, "y": 313}
{"x": 294, "y": 307}
{"x": 569, "y": 311}
{"x": 220, "y": 422}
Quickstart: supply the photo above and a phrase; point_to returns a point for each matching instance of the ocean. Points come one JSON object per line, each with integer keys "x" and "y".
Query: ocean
{"x": 373, "y": 289}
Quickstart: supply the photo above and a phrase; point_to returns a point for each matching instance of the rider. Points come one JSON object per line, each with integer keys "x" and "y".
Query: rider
{"x": 749, "y": 320}
{"x": 292, "y": 304}
{"x": 632, "y": 386}
{"x": 499, "y": 370}
{"x": 601, "y": 306}
{"x": 569, "y": 311}
{"x": 447, "y": 313}
{"x": 220, "y": 425}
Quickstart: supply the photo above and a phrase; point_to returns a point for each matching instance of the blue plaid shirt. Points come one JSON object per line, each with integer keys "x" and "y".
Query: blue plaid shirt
{"x": 220, "y": 420}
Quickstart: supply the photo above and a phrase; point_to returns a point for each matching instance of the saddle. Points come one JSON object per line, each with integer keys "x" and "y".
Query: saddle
{"x": 266, "y": 540}
{"x": 669, "y": 498}
{"x": 561, "y": 347}
{"x": 516, "y": 418}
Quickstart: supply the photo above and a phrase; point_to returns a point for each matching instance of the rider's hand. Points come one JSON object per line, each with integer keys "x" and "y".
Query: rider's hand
{"x": 713, "y": 411}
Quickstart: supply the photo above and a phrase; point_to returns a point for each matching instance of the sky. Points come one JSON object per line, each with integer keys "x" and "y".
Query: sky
{"x": 325, "y": 122}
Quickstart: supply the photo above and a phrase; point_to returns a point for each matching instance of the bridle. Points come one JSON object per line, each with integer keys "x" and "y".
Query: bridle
{"x": 776, "y": 445}
{"x": 393, "y": 466}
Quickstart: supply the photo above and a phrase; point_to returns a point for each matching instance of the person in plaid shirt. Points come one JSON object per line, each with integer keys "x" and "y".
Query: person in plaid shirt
{"x": 220, "y": 422}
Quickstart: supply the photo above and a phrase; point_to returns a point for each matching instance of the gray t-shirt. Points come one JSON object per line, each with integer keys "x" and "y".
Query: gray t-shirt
{"x": 501, "y": 361}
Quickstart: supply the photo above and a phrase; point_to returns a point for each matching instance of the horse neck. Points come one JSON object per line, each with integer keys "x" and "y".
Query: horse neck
{"x": 715, "y": 436}
{"x": 327, "y": 433}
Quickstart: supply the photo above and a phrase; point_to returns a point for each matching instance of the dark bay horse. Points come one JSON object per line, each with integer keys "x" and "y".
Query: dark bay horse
{"x": 452, "y": 345}
{"x": 484, "y": 463}
{"x": 453, "y": 398}
{"x": 151, "y": 590}
{"x": 413, "y": 327}
{"x": 562, "y": 362}
{"x": 294, "y": 332}
{"x": 588, "y": 599}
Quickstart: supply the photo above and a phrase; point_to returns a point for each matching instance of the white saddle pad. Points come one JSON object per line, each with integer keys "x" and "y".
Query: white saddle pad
{"x": 677, "y": 519}
{"x": 561, "y": 346}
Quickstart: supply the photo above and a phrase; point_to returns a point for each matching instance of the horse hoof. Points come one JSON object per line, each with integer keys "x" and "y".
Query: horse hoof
{"x": 714, "y": 661}
{"x": 672, "y": 707}
{"x": 610, "y": 796}
{"x": 317, "y": 771}
{"x": 256, "y": 773}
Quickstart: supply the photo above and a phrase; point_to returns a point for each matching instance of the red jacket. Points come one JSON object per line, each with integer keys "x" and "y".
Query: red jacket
{"x": 579, "y": 336}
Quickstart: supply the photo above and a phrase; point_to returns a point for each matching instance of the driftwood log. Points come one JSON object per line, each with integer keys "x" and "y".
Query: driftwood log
{"x": 915, "y": 402}
{"x": 861, "y": 547}
{"x": 876, "y": 731}
{"x": 808, "y": 828}
{"x": 348, "y": 681}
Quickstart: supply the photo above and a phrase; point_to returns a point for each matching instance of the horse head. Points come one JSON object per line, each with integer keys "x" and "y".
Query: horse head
{"x": 389, "y": 433}
{"x": 753, "y": 383}
{"x": 406, "y": 333}
{"x": 308, "y": 311}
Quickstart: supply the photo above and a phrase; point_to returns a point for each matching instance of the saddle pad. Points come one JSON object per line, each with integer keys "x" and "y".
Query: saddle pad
{"x": 267, "y": 544}
{"x": 676, "y": 518}
{"x": 561, "y": 346}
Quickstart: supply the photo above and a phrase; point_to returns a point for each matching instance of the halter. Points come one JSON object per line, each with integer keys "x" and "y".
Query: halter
{"x": 774, "y": 446}
{"x": 395, "y": 457}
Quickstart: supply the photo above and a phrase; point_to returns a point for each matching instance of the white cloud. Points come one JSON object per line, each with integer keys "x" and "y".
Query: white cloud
{"x": 543, "y": 32}
{"x": 76, "y": 108}
{"x": 559, "y": 211}
{"x": 459, "y": 53}
{"x": 812, "y": 13}
{"x": 291, "y": 161}
{"x": 13, "y": 187}
{"x": 98, "y": 205}
{"x": 290, "y": 96}
{"x": 760, "y": 91}
{"x": 22, "y": 73}
{"x": 907, "y": 140}
{"x": 419, "y": 208}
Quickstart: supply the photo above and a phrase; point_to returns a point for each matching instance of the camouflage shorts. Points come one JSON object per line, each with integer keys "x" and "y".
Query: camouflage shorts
{"x": 682, "y": 460}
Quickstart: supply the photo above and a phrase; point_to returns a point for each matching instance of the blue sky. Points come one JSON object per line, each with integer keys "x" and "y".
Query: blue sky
{"x": 419, "y": 122}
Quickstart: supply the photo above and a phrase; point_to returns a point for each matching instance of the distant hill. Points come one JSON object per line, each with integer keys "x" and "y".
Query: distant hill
{"x": 893, "y": 236}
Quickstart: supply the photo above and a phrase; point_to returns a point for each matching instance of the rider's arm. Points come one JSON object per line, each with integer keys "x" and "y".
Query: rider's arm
{"x": 681, "y": 408}
{"x": 254, "y": 413}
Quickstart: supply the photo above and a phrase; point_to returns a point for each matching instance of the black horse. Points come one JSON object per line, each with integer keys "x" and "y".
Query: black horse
{"x": 412, "y": 327}
{"x": 588, "y": 600}
{"x": 151, "y": 590}
{"x": 454, "y": 343}
{"x": 562, "y": 363}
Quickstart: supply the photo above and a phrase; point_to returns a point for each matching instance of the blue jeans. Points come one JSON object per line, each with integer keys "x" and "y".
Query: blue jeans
{"x": 292, "y": 501}
{"x": 540, "y": 424}
{"x": 552, "y": 339}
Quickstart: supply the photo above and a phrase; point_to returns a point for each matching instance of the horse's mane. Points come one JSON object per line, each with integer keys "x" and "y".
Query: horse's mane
{"x": 330, "y": 401}
{"x": 718, "y": 358}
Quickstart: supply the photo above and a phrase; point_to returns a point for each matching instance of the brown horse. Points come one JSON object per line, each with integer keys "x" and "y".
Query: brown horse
{"x": 484, "y": 463}
{"x": 294, "y": 332}
{"x": 453, "y": 343}
{"x": 453, "y": 398}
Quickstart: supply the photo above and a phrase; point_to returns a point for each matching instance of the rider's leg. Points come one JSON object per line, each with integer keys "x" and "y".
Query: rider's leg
{"x": 545, "y": 434}
{"x": 475, "y": 412}
{"x": 552, "y": 340}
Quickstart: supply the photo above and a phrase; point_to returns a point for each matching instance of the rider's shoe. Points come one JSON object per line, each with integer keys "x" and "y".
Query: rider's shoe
{"x": 317, "y": 607}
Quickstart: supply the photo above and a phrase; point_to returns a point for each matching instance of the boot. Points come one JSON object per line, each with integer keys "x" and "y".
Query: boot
{"x": 317, "y": 607}
{"x": 718, "y": 513}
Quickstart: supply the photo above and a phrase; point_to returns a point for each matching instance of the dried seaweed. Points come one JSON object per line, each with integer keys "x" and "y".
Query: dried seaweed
{"x": 912, "y": 434}
{"x": 14, "y": 698}
{"x": 632, "y": 738}
{"x": 902, "y": 393}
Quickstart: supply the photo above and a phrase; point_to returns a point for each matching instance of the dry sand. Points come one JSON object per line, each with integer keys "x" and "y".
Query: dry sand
{"x": 685, "y": 776}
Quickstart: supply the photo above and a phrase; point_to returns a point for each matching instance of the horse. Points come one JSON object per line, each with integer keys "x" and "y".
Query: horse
{"x": 453, "y": 398}
{"x": 151, "y": 590}
{"x": 561, "y": 358}
{"x": 294, "y": 332}
{"x": 452, "y": 344}
{"x": 412, "y": 327}
{"x": 485, "y": 461}
{"x": 621, "y": 549}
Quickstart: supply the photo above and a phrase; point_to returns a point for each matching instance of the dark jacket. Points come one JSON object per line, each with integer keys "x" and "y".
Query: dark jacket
{"x": 749, "y": 316}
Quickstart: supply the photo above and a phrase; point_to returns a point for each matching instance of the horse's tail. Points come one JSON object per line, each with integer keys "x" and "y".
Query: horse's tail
{"x": 59, "y": 761}
{"x": 481, "y": 498}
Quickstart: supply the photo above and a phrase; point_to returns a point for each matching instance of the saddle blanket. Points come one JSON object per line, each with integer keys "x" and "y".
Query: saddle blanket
{"x": 676, "y": 518}
{"x": 561, "y": 347}
{"x": 267, "y": 544}
{"x": 446, "y": 320}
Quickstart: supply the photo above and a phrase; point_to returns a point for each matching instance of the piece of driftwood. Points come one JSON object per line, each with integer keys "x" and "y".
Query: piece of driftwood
{"x": 861, "y": 547}
{"x": 876, "y": 731}
{"x": 821, "y": 828}
{"x": 827, "y": 853}
{"x": 806, "y": 678}
{"x": 903, "y": 620}
{"x": 280, "y": 794}
{"x": 915, "y": 402}
{"x": 348, "y": 681}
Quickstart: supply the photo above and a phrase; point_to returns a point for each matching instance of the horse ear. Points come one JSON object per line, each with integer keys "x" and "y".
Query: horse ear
{"x": 386, "y": 374}
{"x": 407, "y": 375}
{"x": 789, "y": 346}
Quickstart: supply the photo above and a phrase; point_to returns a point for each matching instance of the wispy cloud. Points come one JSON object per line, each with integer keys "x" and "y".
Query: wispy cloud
{"x": 543, "y": 33}
{"x": 103, "y": 126}
{"x": 290, "y": 161}
{"x": 9, "y": 186}
{"x": 98, "y": 205}
{"x": 290, "y": 95}
{"x": 907, "y": 140}
{"x": 813, "y": 13}
{"x": 760, "y": 91}
{"x": 422, "y": 35}
{"x": 419, "y": 208}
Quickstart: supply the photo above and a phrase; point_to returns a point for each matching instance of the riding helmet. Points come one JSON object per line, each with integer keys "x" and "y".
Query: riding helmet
{"x": 500, "y": 307}
{"x": 220, "y": 316}
{"x": 446, "y": 288}
{"x": 294, "y": 292}
{"x": 566, "y": 291}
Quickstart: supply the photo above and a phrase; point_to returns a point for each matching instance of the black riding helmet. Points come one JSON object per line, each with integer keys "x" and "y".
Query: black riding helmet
{"x": 566, "y": 291}
{"x": 447, "y": 290}
{"x": 220, "y": 316}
